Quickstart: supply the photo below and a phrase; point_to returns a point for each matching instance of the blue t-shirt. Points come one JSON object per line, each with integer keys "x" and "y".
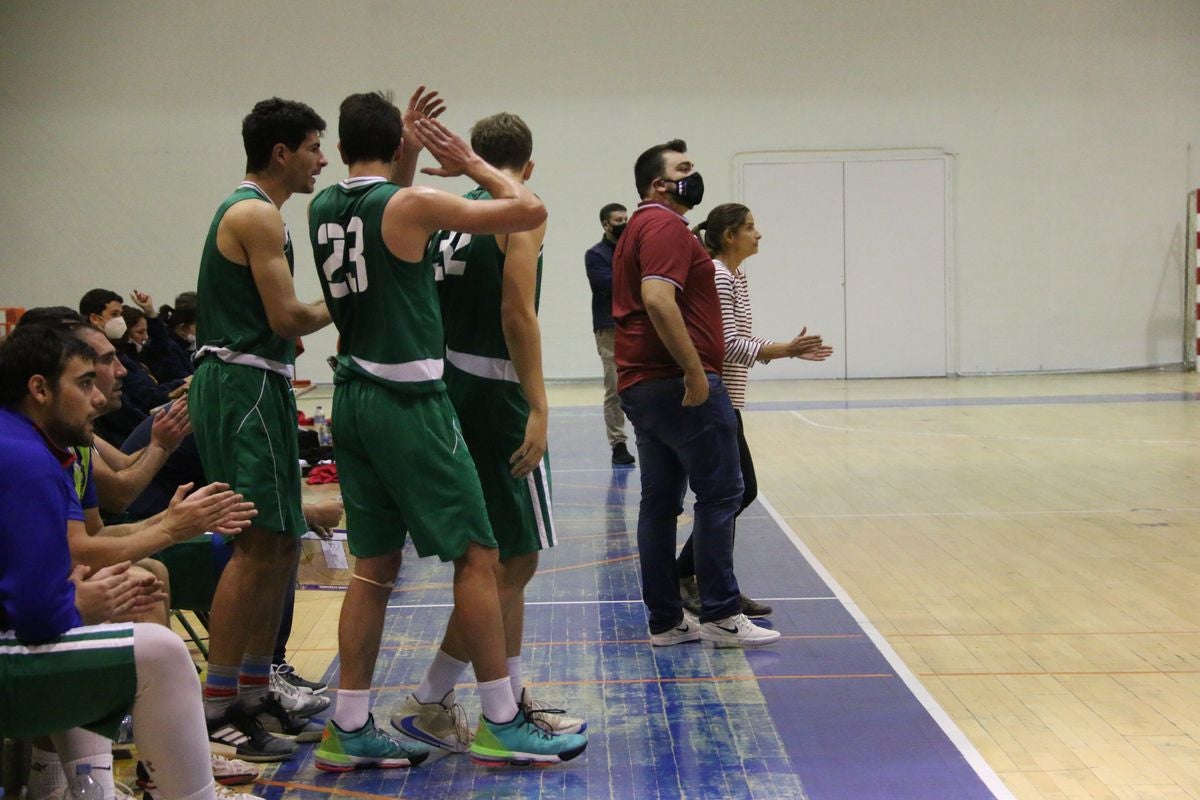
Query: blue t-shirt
{"x": 37, "y": 498}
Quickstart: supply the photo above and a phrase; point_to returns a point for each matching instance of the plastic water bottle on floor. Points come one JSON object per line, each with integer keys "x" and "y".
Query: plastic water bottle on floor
{"x": 84, "y": 787}
{"x": 324, "y": 437}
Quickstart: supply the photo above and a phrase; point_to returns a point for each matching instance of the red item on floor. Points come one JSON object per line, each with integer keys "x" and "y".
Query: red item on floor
{"x": 301, "y": 419}
{"x": 323, "y": 473}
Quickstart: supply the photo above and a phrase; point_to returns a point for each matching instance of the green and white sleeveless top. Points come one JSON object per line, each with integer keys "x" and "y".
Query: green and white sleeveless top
{"x": 470, "y": 269}
{"x": 385, "y": 309}
{"x": 231, "y": 322}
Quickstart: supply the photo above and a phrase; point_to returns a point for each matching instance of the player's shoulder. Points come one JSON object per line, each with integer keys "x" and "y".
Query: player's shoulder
{"x": 253, "y": 211}
{"x": 252, "y": 218}
{"x": 23, "y": 454}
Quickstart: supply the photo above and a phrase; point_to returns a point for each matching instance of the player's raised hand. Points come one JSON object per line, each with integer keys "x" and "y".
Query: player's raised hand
{"x": 450, "y": 150}
{"x": 422, "y": 105}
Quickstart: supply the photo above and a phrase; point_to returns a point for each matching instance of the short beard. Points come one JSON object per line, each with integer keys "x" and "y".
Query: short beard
{"x": 65, "y": 435}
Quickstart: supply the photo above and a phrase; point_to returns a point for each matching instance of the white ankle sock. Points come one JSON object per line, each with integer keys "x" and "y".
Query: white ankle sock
{"x": 353, "y": 708}
{"x": 514, "y": 676}
{"x": 443, "y": 674}
{"x": 496, "y": 699}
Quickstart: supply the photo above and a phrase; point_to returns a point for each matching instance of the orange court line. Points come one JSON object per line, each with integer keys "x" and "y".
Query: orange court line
{"x": 1054, "y": 674}
{"x": 335, "y": 790}
{"x": 584, "y": 642}
{"x": 587, "y": 564}
{"x": 1049, "y": 633}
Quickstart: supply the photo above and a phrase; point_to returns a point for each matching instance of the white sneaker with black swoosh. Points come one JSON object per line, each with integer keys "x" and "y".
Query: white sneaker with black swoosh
{"x": 736, "y": 631}
{"x": 687, "y": 630}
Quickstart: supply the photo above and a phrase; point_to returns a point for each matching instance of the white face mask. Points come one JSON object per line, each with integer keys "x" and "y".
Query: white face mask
{"x": 115, "y": 328}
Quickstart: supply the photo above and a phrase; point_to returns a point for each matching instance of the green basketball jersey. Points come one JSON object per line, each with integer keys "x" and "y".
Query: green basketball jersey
{"x": 231, "y": 322}
{"x": 385, "y": 309}
{"x": 471, "y": 271}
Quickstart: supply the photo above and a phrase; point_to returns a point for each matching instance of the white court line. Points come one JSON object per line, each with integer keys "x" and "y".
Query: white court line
{"x": 606, "y": 602}
{"x": 952, "y": 731}
{"x": 946, "y": 435}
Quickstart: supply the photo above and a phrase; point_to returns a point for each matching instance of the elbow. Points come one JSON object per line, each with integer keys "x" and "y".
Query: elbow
{"x": 284, "y": 327}
{"x": 118, "y": 504}
{"x": 516, "y": 319}
{"x": 534, "y": 212}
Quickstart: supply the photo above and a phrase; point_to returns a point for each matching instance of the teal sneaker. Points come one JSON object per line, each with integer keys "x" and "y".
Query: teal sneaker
{"x": 342, "y": 751}
{"x": 522, "y": 743}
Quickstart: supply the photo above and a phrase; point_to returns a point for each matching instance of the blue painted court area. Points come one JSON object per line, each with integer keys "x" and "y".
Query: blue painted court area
{"x": 824, "y": 714}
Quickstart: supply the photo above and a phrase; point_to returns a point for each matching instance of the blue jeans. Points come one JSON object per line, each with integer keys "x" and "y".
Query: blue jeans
{"x": 678, "y": 447}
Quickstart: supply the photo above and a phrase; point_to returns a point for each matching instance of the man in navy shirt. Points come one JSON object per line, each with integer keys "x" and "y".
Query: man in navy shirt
{"x": 598, "y": 261}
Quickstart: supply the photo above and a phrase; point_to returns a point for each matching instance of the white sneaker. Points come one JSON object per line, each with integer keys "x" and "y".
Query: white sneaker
{"x": 686, "y": 631}
{"x": 297, "y": 701}
{"x": 553, "y": 720}
{"x": 232, "y": 771}
{"x": 225, "y": 793}
{"x": 441, "y": 724}
{"x": 736, "y": 631}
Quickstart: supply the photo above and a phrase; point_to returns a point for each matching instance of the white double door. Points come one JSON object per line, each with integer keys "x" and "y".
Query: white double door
{"x": 855, "y": 248}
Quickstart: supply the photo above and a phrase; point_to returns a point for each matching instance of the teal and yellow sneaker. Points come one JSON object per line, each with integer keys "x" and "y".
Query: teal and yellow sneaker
{"x": 522, "y": 743}
{"x": 342, "y": 751}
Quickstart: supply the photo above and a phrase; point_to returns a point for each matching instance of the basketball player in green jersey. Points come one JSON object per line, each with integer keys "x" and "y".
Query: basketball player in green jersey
{"x": 489, "y": 294}
{"x": 244, "y": 416}
{"x": 403, "y": 465}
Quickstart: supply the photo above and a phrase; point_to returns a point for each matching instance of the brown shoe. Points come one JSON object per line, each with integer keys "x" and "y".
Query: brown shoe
{"x": 755, "y": 609}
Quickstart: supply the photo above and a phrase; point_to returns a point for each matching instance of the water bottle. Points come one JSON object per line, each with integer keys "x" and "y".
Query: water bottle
{"x": 324, "y": 438}
{"x": 84, "y": 787}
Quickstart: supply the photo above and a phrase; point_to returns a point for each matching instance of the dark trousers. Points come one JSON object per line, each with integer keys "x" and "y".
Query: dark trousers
{"x": 687, "y": 567}
{"x": 680, "y": 447}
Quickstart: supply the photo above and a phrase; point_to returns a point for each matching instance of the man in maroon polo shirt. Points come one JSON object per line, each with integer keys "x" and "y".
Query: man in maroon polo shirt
{"x": 669, "y": 350}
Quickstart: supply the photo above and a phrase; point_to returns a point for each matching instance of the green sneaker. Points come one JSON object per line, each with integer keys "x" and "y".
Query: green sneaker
{"x": 342, "y": 751}
{"x": 522, "y": 743}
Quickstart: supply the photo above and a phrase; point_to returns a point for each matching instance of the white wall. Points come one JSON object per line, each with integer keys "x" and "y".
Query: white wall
{"x": 1071, "y": 120}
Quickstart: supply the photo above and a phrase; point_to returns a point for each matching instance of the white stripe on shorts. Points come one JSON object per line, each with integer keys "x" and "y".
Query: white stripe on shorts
{"x": 122, "y": 637}
{"x": 546, "y": 533}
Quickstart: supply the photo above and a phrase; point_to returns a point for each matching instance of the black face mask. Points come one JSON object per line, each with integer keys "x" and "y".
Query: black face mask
{"x": 690, "y": 190}
{"x": 617, "y": 230}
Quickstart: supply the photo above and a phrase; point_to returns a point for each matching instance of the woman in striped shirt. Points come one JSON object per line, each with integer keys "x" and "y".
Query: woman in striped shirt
{"x": 730, "y": 237}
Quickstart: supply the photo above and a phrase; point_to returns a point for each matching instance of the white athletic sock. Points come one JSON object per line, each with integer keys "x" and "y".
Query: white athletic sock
{"x": 77, "y": 746}
{"x": 443, "y": 675}
{"x": 168, "y": 716}
{"x": 47, "y": 781}
{"x": 514, "y": 676}
{"x": 496, "y": 700}
{"x": 353, "y": 708}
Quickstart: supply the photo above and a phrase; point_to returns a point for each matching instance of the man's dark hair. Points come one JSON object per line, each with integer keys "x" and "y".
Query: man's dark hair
{"x": 59, "y": 317}
{"x": 273, "y": 122}
{"x": 503, "y": 140}
{"x": 36, "y": 350}
{"x": 650, "y": 164}
{"x": 370, "y": 127}
{"x": 94, "y": 301}
{"x": 608, "y": 210}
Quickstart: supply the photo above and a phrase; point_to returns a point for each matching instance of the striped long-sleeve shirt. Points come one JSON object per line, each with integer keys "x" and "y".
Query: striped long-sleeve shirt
{"x": 741, "y": 348}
